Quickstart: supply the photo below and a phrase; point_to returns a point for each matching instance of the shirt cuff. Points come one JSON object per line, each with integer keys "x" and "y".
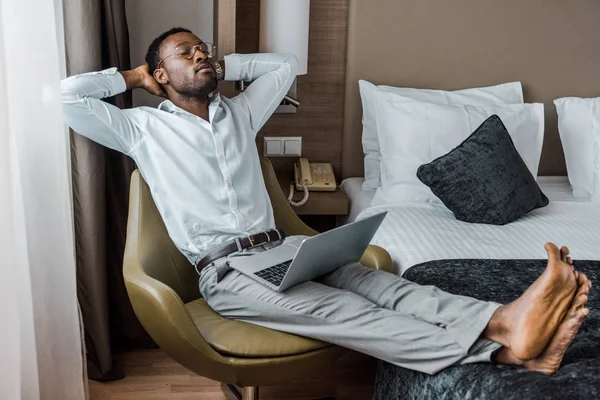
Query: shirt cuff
{"x": 116, "y": 79}
{"x": 116, "y": 82}
{"x": 233, "y": 67}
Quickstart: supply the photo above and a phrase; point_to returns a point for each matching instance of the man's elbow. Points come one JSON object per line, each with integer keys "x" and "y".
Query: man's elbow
{"x": 60, "y": 92}
{"x": 292, "y": 61}
{"x": 68, "y": 92}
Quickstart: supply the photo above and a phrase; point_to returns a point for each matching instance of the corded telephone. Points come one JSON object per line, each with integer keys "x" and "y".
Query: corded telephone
{"x": 311, "y": 177}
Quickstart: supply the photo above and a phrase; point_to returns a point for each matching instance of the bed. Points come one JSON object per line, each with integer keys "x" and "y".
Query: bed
{"x": 430, "y": 247}
{"x": 547, "y": 46}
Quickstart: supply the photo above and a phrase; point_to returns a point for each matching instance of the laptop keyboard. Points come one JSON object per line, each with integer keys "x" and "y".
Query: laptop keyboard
{"x": 275, "y": 273}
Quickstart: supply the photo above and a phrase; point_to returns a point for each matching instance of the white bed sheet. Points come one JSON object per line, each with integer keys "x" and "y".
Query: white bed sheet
{"x": 557, "y": 188}
{"x": 417, "y": 233}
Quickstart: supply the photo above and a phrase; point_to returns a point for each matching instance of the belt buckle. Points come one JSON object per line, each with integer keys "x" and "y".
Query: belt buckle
{"x": 252, "y": 244}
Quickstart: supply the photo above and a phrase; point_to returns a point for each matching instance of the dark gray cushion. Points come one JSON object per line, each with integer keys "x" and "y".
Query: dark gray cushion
{"x": 484, "y": 179}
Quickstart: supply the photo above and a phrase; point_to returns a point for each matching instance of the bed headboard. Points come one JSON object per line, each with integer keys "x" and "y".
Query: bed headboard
{"x": 551, "y": 46}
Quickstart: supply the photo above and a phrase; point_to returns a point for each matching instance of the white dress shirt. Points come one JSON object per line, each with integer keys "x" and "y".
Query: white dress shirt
{"x": 205, "y": 178}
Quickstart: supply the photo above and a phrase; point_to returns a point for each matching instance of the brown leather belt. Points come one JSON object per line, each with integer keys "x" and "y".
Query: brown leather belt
{"x": 239, "y": 244}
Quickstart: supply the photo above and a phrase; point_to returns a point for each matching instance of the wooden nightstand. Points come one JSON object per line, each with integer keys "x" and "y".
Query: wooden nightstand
{"x": 322, "y": 208}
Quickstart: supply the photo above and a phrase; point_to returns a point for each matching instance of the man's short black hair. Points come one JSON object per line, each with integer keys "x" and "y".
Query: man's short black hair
{"x": 153, "y": 54}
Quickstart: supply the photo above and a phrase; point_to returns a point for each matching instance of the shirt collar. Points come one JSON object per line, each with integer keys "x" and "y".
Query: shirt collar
{"x": 169, "y": 107}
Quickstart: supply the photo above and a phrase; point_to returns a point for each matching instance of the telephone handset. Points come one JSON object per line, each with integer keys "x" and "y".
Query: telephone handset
{"x": 311, "y": 177}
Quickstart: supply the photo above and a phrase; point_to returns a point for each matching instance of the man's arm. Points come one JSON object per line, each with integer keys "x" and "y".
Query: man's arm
{"x": 272, "y": 76}
{"x": 88, "y": 115}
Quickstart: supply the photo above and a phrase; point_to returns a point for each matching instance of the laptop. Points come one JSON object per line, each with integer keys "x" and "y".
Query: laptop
{"x": 303, "y": 258}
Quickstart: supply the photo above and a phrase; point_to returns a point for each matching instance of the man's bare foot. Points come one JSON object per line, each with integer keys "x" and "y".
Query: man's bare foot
{"x": 527, "y": 325}
{"x": 549, "y": 361}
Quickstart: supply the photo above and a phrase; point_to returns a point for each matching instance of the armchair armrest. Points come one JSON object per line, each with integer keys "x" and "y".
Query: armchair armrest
{"x": 285, "y": 217}
{"x": 378, "y": 258}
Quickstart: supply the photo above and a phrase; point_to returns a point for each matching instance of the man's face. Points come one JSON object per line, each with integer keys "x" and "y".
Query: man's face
{"x": 195, "y": 77}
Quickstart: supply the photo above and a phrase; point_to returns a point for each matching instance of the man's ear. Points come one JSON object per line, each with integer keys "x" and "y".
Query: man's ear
{"x": 161, "y": 76}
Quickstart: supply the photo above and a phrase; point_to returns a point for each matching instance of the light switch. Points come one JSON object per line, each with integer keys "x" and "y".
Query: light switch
{"x": 282, "y": 146}
{"x": 292, "y": 148}
{"x": 273, "y": 147}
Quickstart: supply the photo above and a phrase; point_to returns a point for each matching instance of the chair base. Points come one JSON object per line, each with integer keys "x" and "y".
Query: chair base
{"x": 247, "y": 393}
{"x": 250, "y": 392}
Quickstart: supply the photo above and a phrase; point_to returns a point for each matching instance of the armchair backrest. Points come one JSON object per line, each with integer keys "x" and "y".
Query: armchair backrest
{"x": 155, "y": 255}
{"x": 147, "y": 237}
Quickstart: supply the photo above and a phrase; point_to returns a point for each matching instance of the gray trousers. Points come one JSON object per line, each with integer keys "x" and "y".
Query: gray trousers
{"x": 373, "y": 312}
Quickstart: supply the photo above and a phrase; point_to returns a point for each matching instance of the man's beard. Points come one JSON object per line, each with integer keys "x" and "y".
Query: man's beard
{"x": 194, "y": 90}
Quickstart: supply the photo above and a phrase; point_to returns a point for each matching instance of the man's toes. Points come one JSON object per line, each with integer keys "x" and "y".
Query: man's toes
{"x": 552, "y": 251}
{"x": 583, "y": 286}
{"x": 582, "y": 279}
{"x": 580, "y": 301}
{"x": 587, "y": 284}
{"x": 585, "y": 289}
{"x": 564, "y": 253}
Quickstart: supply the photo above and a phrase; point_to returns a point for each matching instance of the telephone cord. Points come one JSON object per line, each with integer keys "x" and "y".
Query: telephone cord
{"x": 291, "y": 195}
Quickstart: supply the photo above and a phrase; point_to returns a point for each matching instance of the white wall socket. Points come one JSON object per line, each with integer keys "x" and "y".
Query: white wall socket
{"x": 290, "y": 146}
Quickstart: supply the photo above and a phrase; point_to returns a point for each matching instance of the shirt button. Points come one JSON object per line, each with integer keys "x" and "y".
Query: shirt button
{"x": 221, "y": 157}
{"x": 229, "y": 186}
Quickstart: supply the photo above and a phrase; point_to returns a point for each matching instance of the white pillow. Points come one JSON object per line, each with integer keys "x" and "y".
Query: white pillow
{"x": 507, "y": 93}
{"x": 413, "y": 133}
{"x": 579, "y": 129}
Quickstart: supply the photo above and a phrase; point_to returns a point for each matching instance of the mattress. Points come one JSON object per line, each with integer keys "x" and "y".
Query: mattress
{"x": 417, "y": 233}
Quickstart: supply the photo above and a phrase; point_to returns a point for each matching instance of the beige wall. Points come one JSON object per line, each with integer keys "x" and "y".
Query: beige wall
{"x": 149, "y": 18}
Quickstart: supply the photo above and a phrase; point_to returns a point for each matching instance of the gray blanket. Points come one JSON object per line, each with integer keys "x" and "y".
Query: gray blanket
{"x": 501, "y": 281}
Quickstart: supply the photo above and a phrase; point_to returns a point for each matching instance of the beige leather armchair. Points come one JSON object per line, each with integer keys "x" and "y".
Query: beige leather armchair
{"x": 163, "y": 288}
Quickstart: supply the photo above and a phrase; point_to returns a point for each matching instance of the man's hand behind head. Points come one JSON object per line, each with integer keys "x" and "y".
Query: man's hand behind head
{"x": 148, "y": 82}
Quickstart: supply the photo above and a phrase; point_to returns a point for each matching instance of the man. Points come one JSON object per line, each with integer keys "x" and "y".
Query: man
{"x": 197, "y": 154}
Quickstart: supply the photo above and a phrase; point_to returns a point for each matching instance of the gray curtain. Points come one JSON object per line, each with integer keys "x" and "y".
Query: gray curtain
{"x": 96, "y": 37}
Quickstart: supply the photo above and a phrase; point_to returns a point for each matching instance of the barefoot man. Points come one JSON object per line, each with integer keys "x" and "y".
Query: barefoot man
{"x": 197, "y": 153}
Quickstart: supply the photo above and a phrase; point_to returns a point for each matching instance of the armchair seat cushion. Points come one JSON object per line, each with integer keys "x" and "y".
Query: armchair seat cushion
{"x": 242, "y": 339}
